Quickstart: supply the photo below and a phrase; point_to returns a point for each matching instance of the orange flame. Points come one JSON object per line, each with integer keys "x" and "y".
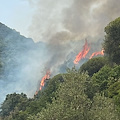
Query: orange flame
{"x": 97, "y": 53}
{"x": 47, "y": 76}
{"x": 83, "y": 53}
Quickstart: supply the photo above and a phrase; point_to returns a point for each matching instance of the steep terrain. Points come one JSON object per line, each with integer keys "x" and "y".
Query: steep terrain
{"x": 18, "y": 57}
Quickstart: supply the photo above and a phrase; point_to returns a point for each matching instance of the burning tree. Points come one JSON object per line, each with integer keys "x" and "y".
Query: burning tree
{"x": 47, "y": 76}
{"x": 83, "y": 53}
{"x": 97, "y": 53}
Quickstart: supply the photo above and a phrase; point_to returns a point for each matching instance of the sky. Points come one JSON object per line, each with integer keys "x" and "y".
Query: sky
{"x": 16, "y": 14}
{"x": 44, "y": 20}
{"x": 21, "y": 15}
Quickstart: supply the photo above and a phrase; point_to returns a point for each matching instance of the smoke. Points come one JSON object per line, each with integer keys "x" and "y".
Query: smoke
{"x": 89, "y": 17}
{"x": 22, "y": 63}
{"x": 60, "y": 23}
{"x": 47, "y": 19}
{"x": 81, "y": 18}
{"x": 24, "y": 74}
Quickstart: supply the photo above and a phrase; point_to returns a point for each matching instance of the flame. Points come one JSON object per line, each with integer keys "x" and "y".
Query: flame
{"x": 42, "y": 83}
{"x": 83, "y": 53}
{"x": 97, "y": 53}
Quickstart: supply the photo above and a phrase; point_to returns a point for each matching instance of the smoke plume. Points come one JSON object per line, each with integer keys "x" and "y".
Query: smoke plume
{"x": 78, "y": 17}
{"x": 60, "y": 23}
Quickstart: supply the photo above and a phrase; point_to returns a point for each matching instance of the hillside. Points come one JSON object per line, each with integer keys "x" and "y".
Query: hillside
{"x": 18, "y": 55}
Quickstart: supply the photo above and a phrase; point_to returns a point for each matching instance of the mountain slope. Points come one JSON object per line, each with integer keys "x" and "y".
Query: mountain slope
{"x": 19, "y": 62}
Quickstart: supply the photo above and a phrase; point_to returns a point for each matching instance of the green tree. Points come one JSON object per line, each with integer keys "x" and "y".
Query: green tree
{"x": 112, "y": 41}
{"x": 71, "y": 103}
{"x": 103, "y": 108}
{"x": 100, "y": 79}
{"x": 93, "y": 65}
{"x": 45, "y": 96}
{"x": 13, "y": 100}
{"x": 114, "y": 92}
{"x": 114, "y": 89}
{"x": 106, "y": 77}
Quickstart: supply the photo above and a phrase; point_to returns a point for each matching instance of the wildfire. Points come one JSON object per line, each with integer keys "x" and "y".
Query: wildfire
{"x": 97, "y": 53}
{"x": 83, "y": 53}
{"x": 47, "y": 76}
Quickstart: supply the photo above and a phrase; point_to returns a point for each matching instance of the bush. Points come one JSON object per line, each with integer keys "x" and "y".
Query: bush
{"x": 93, "y": 65}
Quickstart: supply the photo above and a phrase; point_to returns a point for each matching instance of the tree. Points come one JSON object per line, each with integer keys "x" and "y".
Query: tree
{"x": 103, "y": 108}
{"x": 100, "y": 79}
{"x": 114, "y": 89}
{"x": 114, "y": 92}
{"x": 45, "y": 96}
{"x": 93, "y": 65}
{"x": 105, "y": 78}
{"x": 73, "y": 104}
{"x": 12, "y": 101}
{"x": 112, "y": 41}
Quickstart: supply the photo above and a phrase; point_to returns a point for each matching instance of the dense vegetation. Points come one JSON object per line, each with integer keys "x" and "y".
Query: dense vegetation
{"x": 112, "y": 41}
{"x": 90, "y": 93}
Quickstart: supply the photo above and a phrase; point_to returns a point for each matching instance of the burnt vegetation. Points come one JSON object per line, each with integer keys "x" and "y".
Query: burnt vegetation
{"x": 90, "y": 93}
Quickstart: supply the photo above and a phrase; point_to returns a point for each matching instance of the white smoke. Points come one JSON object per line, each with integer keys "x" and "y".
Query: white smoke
{"x": 60, "y": 23}
{"x": 80, "y": 18}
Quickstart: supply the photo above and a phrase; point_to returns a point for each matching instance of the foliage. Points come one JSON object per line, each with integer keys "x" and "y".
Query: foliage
{"x": 45, "y": 96}
{"x": 114, "y": 89}
{"x": 66, "y": 101}
{"x": 105, "y": 77}
{"x": 93, "y": 65}
{"x": 73, "y": 104}
{"x": 103, "y": 108}
{"x": 114, "y": 74}
{"x": 114, "y": 92}
{"x": 20, "y": 109}
{"x": 112, "y": 41}
{"x": 108, "y": 80}
{"x": 100, "y": 79}
{"x": 12, "y": 101}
